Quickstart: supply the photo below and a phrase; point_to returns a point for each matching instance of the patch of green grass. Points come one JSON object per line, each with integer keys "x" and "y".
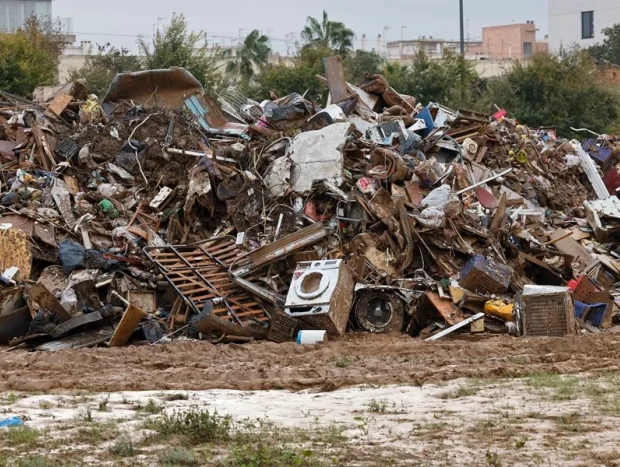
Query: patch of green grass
{"x": 103, "y": 404}
{"x": 37, "y": 461}
{"x": 485, "y": 426}
{"x": 520, "y": 443}
{"x": 97, "y": 432}
{"x": 10, "y": 398}
{"x": 569, "y": 423}
{"x": 22, "y": 435}
{"x": 563, "y": 387}
{"x": 151, "y": 407}
{"x": 343, "y": 362}
{"x": 124, "y": 448}
{"x": 264, "y": 454}
{"x": 197, "y": 425}
{"x": 492, "y": 459}
{"x": 384, "y": 407}
{"x": 377, "y": 406}
{"x": 87, "y": 415}
{"x": 331, "y": 435}
{"x": 178, "y": 456}
{"x": 470, "y": 388}
{"x": 609, "y": 405}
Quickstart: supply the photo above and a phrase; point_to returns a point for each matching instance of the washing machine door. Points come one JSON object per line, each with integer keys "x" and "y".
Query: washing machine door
{"x": 311, "y": 285}
{"x": 379, "y": 312}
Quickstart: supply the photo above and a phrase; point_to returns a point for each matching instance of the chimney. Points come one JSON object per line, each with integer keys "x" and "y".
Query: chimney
{"x": 380, "y": 45}
{"x": 364, "y": 42}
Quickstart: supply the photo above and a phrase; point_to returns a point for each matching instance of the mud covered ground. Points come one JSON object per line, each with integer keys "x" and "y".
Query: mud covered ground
{"x": 355, "y": 360}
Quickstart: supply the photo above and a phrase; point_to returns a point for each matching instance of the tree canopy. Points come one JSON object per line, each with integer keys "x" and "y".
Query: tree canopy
{"x": 556, "y": 90}
{"x": 99, "y": 70}
{"x": 29, "y": 57}
{"x": 332, "y": 34}
{"x": 177, "y": 46}
{"x": 609, "y": 50}
{"x": 451, "y": 81}
{"x": 253, "y": 54}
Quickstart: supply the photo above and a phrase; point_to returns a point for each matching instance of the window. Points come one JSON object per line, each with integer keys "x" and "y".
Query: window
{"x": 587, "y": 25}
{"x": 527, "y": 49}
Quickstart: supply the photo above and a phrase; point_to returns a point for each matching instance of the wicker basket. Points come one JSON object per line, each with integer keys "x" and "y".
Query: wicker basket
{"x": 548, "y": 311}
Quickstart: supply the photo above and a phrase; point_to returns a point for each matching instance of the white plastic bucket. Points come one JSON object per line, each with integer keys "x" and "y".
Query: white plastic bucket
{"x": 311, "y": 337}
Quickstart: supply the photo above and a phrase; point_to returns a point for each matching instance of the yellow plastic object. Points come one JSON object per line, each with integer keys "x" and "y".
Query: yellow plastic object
{"x": 522, "y": 156}
{"x": 498, "y": 309}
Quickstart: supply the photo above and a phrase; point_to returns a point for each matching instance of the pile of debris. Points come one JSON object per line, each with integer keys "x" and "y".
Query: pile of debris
{"x": 159, "y": 212}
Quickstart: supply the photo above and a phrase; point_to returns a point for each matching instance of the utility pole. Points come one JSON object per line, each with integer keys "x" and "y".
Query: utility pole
{"x": 402, "y": 39}
{"x": 462, "y": 28}
{"x": 385, "y": 51}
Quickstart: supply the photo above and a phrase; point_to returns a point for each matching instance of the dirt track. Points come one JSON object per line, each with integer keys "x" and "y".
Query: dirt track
{"x": 364, "y": 359}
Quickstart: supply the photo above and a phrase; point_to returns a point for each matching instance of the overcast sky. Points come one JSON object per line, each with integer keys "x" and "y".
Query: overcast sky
{"x": 122, "y": 20}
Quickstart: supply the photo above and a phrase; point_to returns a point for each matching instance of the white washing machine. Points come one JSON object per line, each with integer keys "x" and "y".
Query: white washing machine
{"x": 321, "y": 295}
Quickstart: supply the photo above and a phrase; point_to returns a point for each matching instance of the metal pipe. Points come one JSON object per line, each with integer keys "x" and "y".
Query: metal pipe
{"x": 458, "y": 193}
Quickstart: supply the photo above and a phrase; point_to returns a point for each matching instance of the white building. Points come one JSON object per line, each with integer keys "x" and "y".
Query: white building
{"x": 580, "y": 22}
{"x": 14, "y": 13}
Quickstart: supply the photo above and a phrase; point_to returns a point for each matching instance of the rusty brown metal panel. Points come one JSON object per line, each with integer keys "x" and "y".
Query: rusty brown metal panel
{"x": 166, "y": 87}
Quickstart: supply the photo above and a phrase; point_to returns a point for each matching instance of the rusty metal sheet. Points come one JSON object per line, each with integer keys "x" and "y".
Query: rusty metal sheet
{"x": 199, "y": 273}
{"x": 153, "y": 88}
{"x": 77, "y": 322}
{"x": 335, "y": 79}
{"x": 77, "y": 341}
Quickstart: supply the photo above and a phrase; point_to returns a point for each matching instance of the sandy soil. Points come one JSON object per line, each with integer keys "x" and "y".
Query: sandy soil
{"x": 540, "y": 420}
{"x": 358, "y": 359}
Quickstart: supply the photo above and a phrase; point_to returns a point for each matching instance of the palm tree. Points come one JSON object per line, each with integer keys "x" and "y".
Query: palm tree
{"x": 328, "y": 34}
{"x": 252, "y": 54}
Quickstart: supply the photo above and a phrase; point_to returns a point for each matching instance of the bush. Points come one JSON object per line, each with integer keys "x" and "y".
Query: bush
{"x": 556, "y": 90}
{"x": 198, "y": 425}
{"x": 99, "y": 70}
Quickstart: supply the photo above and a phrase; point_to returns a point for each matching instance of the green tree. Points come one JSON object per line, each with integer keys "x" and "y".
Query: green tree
{"x": 356, "y": 65}
{"x": 298, "y": 78}
{"x": 176, "y": 46}
{"x": 30, "y": 57}
{"x": 333, "y": 34}
{"x": 556, "y": 90}
{"x": 99, "y": 70}
{"x": 451, "y": 81}
{"x": 253, "y": 54}
{"x": 609, "y": 50}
